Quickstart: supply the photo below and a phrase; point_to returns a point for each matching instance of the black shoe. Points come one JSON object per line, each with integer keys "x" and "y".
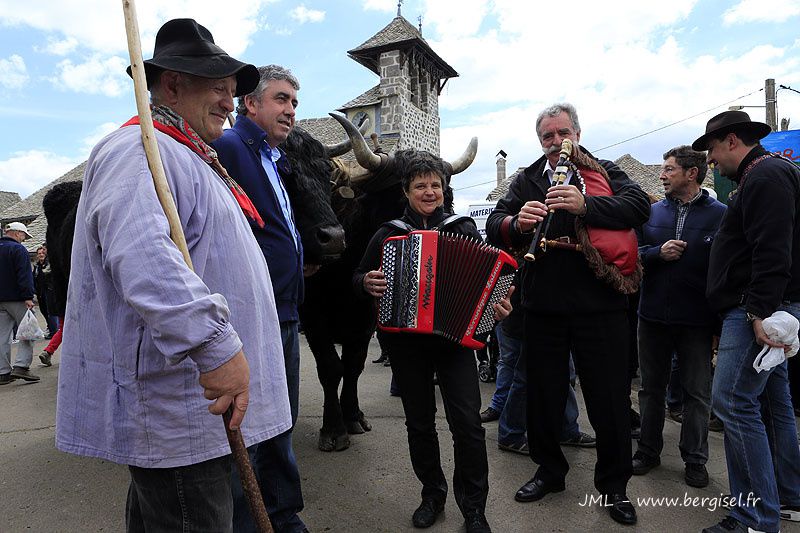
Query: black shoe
{"x": 475, "y": 522}
{"x": 696, "y": 475}
{"x": 636, "y": 432}
{"x": 728, "y": 525}
{"x": 426, "y": 513}
{"x": 581, "y": 440}
{"x": 519, "y": 447}
{"x": 790, "y": 513}
{"x": 535, "y": 490}
{"x": 676, "y": 414}
{"x": 621, "y": 509}
{"x": 643, "y": 463}
{"x": 489, "y": 415}
{"x": 23, "y": 373}
{"x": 5, "y": 379}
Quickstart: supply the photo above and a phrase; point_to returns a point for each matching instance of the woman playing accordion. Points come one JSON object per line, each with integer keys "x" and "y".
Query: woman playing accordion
{"x": 415, "y": 358}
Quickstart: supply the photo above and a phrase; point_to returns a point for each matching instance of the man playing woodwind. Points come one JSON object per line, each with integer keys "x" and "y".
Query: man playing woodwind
{"x": 574, "y": 301}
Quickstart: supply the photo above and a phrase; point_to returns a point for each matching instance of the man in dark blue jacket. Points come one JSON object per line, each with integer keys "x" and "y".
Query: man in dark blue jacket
{"x": 249, "y": 152}
{"x": 16, "y": 297}
{"x": 674, "y": 317}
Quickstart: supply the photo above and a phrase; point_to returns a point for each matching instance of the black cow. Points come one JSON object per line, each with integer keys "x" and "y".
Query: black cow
{"x": 60, "y": 205}
{"x": 332, "y": 313}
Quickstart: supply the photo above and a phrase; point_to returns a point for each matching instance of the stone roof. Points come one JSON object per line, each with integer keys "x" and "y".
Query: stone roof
{"x": 29, "y": 211}
{"x": 7, "y": 199}
{"x": 502, "y": 188}
{"x": 645, "y": 175}
{"x": 399, "y": 34}
{"x": 370, "y": 97}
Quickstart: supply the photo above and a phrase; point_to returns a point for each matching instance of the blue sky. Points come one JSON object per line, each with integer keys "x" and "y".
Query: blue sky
{"x": 629, "y": 67}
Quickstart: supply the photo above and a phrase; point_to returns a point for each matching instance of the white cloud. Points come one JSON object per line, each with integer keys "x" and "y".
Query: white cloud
{"x": 97, "y": 75}
{"x": 58, "y": 47}
{"x": 761, "y": 11}
{"x": 100, "y": 26}
{"x": 98, "y": 133}
{"x": 380, "y": 5}
{"x": 28, "y": 171}
{"x": 302, "y": 14}
{"x": 15, "y": 74}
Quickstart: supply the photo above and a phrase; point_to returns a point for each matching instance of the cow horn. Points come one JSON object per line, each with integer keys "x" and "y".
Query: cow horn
{"x": 466, "y": 159}
{"x": 364, "y": 155}
{"x": 335, "y": 150}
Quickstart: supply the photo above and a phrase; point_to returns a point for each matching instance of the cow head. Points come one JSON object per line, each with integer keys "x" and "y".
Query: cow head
{"x": 309, "y": 187}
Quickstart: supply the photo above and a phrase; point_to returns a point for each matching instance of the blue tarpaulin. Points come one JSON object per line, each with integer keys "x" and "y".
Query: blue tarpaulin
{"x": 786, "y": 143}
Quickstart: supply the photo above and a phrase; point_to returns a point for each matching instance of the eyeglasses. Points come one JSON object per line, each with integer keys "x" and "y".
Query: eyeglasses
{"x": 668, "y": 170}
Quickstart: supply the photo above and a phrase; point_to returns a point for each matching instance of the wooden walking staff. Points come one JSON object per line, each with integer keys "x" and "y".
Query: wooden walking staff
{"x": 238, "y": 449}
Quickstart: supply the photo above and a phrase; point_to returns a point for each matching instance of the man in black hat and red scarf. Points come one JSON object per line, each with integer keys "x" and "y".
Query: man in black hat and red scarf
{"x": 152, "y": 349}
{"x": 754, "y": 271}
{"x": 574, "y": 301}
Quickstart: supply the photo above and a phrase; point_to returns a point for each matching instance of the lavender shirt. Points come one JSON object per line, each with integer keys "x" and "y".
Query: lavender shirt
{"x": 141, "y": 326}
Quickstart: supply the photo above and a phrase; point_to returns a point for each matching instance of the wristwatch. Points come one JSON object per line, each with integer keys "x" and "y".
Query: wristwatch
{"x": 751, "y": 317}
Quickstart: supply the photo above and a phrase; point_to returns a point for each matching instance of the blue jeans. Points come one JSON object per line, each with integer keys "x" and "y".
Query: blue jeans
{"x": 674, "y": 386}
{"x": 274, "y": 461}
{"x": 761, "y": 448}
{"x": 505, "y": 372}
{"x": 512, "y": 424}
{"x": 291, "y": 359}
{"x": 194, "y": 498}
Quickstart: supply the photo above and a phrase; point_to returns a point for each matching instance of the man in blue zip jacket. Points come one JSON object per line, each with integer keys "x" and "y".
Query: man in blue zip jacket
{"x": 674, "y": 316}
{"x": 249, "y": 152}
{"x": 16, "y": 297}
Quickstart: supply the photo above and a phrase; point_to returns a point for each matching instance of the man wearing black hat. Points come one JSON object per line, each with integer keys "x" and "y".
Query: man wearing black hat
{"x": 148, "y": 341}
{"x": 754, "y": 271}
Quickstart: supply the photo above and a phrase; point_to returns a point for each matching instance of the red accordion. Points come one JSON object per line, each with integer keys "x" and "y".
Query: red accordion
{"x": 443, "y": 284}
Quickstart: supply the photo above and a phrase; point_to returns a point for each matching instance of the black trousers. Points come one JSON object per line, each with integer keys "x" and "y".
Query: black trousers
{"x": 599, "y": 346}
{"x": 413, "y": 364}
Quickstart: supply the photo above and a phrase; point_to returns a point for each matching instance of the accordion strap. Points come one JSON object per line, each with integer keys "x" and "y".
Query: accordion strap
{"x": 452, "y": 219}
{"x": 405, "y": 227}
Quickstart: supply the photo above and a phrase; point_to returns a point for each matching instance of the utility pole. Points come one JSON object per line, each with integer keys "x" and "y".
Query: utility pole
{"x": 772, "y": 105}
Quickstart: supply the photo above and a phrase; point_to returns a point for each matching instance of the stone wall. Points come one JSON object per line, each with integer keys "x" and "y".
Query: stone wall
{"x": 410, "y": 107}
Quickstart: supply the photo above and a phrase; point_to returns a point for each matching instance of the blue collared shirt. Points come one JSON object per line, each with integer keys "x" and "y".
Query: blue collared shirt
{"x": 269, "y": 156}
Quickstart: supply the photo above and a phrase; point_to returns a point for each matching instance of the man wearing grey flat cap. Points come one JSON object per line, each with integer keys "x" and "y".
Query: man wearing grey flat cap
{"x": 152, "y": 350}
{"x": 754, "y": 271}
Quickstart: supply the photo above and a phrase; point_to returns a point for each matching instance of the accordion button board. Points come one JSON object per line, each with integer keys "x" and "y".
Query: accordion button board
{"x": 443, "y": 284}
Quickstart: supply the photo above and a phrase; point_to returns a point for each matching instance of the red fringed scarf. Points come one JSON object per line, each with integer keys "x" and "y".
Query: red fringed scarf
{"x": 167, "y": 121}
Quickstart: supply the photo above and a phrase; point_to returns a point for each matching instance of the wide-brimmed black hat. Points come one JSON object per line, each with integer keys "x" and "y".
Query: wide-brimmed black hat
{"x": 727, "y": 122}
{"x": 183, "y": 45}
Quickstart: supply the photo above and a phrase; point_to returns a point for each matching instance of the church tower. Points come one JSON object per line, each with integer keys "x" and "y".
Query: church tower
{"x": 404, "y": 107}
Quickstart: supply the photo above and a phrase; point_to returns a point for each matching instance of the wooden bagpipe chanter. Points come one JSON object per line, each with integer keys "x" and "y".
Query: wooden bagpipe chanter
{"x": 443, "y": 284}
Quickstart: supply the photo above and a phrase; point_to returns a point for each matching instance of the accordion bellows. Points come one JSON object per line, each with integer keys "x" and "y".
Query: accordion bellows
{"x": 443, "y": 284}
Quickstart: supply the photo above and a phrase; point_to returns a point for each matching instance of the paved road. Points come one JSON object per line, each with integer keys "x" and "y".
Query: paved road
{"x": 367, "y": 488}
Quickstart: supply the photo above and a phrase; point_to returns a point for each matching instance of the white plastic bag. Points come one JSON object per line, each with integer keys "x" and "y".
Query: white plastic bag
{"x": 29, "y": 329}
{"x": 780, "y": 327}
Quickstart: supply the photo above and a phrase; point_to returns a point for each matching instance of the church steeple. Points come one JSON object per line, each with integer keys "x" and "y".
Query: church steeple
{"x": 412, "y": 77}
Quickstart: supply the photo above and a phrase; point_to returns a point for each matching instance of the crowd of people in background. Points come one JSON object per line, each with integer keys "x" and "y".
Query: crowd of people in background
{"x": 707, "y": 281}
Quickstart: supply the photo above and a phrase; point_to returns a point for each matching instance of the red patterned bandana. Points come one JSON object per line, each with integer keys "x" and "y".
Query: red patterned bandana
{"x": 167, "y": 121}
